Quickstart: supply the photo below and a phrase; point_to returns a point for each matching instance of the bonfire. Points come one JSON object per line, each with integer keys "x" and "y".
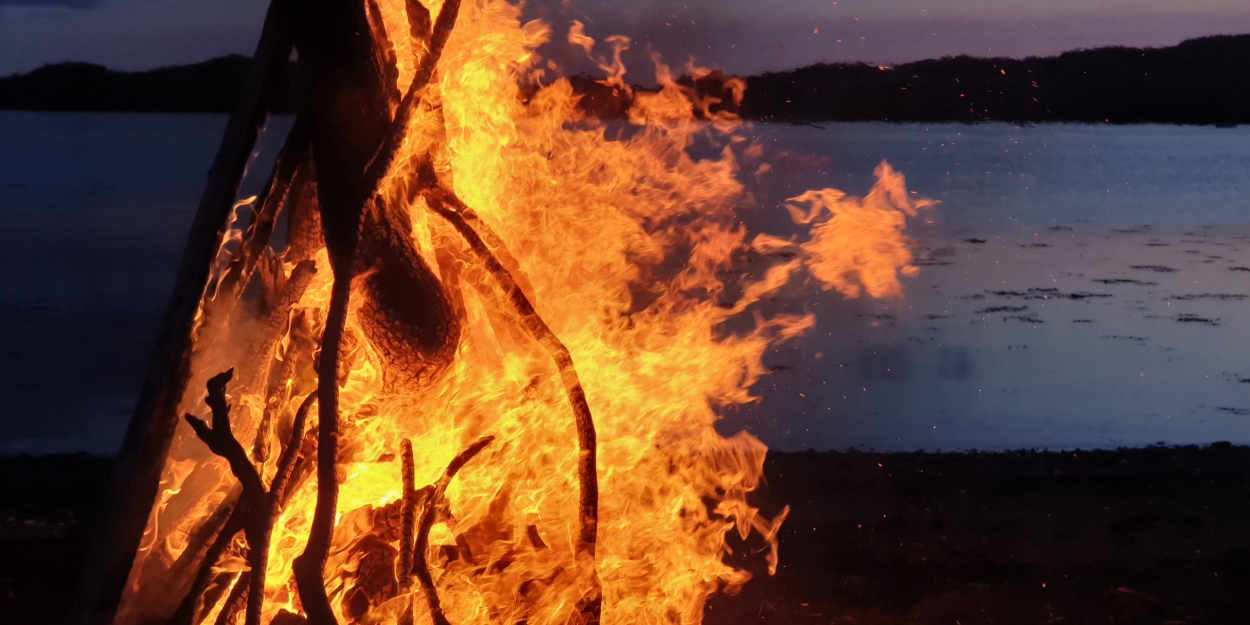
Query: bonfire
{"x": 462, "y": 360}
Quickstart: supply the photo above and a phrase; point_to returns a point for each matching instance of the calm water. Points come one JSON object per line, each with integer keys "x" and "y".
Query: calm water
{"x": 976, "y": 355}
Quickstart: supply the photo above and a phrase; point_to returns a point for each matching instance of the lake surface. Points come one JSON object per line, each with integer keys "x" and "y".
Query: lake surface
{"x": 1080, "y": 286}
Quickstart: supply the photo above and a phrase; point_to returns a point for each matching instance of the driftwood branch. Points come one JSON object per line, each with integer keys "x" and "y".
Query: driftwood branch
{"x": 420, "y": 568}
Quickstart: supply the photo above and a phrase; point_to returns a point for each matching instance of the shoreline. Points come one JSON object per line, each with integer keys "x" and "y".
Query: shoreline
{"x": 1142, "y": 535}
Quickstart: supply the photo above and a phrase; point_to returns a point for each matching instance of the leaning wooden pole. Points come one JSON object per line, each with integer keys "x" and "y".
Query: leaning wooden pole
{"x": 152, "y": 425}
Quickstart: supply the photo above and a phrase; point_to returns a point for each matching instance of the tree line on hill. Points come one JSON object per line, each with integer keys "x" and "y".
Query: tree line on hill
{"x": 212, "y": 86}
{"x": 1200, "y": 81}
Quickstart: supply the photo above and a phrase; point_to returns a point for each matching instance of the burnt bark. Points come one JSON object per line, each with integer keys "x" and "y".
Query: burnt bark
{"x": 408, "y": 505}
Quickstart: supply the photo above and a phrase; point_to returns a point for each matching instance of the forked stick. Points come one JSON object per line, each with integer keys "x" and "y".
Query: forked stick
{"x": 258, "y": 507}
{"x": 420, "y": 568}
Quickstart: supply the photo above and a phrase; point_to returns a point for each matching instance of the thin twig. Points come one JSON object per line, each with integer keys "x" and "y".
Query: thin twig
{"x": 385, "y": 156}
{"x": 384, "y": 53}
{"x": 420, "y": 567}
{"x": 260, "y": 534}
{"x": 286, "y": 463}
{"x": 258, "y": 235}
{"x": 186, "y": 612}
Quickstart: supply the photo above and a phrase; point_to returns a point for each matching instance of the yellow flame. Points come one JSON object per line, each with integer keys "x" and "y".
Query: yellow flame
{"x": 621, "y": 240}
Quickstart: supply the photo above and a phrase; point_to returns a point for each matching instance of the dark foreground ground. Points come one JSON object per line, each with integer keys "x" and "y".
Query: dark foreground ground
{"x": 1157, "y": 535}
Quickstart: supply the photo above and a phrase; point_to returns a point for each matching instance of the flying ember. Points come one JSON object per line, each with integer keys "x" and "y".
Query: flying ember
{"x": 469, "y": 372}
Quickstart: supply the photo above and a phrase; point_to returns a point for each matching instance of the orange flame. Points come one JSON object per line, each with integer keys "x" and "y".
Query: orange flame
{"x": 622, "y": 244}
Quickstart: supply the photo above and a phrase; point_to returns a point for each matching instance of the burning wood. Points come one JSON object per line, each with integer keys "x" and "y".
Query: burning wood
{"x": 416, "y": 336}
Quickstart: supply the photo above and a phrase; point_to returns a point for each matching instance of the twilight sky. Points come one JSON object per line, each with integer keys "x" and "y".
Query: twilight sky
{"x": 742, "y": 36}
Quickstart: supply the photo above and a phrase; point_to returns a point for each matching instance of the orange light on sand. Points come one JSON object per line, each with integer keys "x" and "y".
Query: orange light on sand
{"x": 621, "y": 240}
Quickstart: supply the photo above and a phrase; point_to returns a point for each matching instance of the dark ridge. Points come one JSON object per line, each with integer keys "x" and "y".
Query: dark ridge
{"x": 1200, "y": 81}
{"x": 209, "y": 87}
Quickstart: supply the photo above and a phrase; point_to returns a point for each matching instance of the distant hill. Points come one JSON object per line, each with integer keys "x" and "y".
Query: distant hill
{"x": 1200, "y": 81}
{"x": 209, "y": 87}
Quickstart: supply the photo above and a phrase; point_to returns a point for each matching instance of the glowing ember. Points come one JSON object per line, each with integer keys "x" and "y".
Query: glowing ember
{"x": 621, "y": 240}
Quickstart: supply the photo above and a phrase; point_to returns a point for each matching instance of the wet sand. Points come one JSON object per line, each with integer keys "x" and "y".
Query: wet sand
{"x": 1151, "y": 536}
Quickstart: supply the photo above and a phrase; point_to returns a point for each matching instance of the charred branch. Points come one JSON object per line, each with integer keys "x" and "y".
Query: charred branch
{"x": 221, "y": 441}
{"x": 225, "y": 533}
{"x": 385, "y": 156}
{"x": 445, "y": 204}
{"x": 309, "y": 566}
{"x": 387, "y": 61}
{"x": 258, "y": 537}
{"x": 286, "y": 293}
{"x": 303, "y": 215}
{"x": 260, "y": 232}
{"x": 342, "y": 205}
{"x": 242, "y": 587}
{"x": 403, "y": 565}
{"x": 258, "y": 507}
{"x": 420, "y": 568}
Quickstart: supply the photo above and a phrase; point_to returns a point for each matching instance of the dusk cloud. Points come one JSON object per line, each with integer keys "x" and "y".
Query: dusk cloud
{"x": 65, "y": 4}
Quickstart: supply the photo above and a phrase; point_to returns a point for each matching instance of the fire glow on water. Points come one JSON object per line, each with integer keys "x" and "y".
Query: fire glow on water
{"x": 632, "y": 254}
